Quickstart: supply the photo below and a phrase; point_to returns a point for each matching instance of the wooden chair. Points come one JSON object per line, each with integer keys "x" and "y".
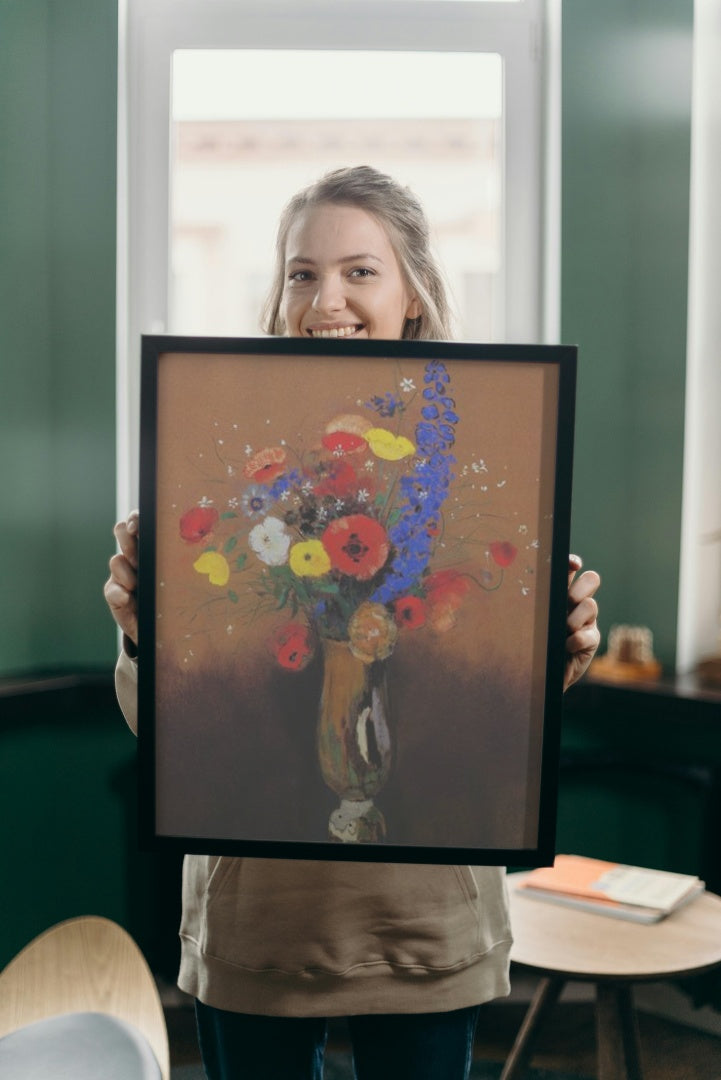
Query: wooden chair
{"x": 89, "y": 971}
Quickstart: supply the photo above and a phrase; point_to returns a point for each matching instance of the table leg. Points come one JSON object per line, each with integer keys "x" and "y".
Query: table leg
{"x": 617, "y": 1033}
{"x": 545, "y": 997}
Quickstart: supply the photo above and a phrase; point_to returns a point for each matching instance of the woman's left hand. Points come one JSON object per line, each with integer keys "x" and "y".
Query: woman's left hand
{"x": 583, "y": 635}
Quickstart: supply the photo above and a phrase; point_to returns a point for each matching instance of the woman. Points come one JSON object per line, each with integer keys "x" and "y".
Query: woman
{"x": 271, "y": 948}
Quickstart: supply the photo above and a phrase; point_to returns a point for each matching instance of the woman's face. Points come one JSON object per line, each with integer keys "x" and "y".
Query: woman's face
{"x": 342, "y": 277}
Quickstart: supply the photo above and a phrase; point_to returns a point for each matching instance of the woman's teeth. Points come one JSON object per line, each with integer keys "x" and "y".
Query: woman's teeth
{"x": 337, "y": 331}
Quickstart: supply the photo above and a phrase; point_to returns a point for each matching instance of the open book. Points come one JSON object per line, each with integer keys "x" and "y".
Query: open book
{"x": 608, "y": 888}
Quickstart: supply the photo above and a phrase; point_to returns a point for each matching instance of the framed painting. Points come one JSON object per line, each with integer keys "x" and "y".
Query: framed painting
{"x": 352, "y": 597}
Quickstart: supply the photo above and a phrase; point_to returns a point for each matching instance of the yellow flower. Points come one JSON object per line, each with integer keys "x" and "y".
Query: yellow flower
{"x": 388, "y": 446}
{"x": 309, "y": 559}
{"x": 215, "y": 566}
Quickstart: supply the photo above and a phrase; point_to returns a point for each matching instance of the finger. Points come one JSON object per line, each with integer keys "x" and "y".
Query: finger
{"x": 123, "y": 608}
{"x": 123, "y": 572}
{"x": 585, "y": 585}
{"x": 126, "y": 534}
{"x": 584, "y": 641}
{"x": 584, "y": 613}
{"x": 575, "y": 563}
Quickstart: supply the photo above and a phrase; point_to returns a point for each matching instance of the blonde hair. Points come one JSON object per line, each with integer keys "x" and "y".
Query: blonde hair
{"x": 403, "y": 217}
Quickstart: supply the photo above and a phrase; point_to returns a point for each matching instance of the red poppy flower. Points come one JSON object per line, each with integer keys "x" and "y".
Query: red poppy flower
{"x": 195, "y": 524}
{"x": 502, "y": 552}
{"x": 444, "y": 595}
{"x": 410, "y": 612}
{"x": 267, "y": 465}
{"x": 340, "y": 481}
{"x": 292, "y": 646}
{"x": 343, "y": 442}
{"x": 357, "y": 545}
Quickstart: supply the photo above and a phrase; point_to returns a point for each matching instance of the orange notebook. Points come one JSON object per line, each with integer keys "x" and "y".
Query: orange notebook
{"x": 632, "y": 892}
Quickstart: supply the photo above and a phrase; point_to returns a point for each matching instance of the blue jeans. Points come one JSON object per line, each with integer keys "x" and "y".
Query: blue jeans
{"x": 414, "y": 1046}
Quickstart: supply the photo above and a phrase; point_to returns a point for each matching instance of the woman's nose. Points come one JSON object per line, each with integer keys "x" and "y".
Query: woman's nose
{"x": 329, "y": 296}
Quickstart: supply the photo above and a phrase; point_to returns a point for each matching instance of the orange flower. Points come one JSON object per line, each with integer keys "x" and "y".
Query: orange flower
{"x": 444, "y": 595}
{"x": 266, "y": 465}
{"x": 351, "y": 422}
{"x": 372, "y": 632}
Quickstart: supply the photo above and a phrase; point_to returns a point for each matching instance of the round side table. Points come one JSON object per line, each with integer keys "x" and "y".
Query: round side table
{"x": 563, "y": 944}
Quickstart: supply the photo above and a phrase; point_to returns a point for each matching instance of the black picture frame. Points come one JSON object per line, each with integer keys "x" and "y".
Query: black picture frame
{"x": 394, "y": 636}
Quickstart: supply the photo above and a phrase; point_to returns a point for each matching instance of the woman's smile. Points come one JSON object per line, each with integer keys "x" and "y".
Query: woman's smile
{"x": 335, "y": 331}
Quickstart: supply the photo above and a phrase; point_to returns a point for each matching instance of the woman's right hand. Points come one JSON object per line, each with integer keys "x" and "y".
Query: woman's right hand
{"x": 121, "y": 587}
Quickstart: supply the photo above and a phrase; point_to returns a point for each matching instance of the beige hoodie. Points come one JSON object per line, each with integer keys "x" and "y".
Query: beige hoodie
{"x": 286, "y": 937}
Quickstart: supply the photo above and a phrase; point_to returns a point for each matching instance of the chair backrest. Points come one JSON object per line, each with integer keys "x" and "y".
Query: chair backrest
{"x": 87, "y": 964}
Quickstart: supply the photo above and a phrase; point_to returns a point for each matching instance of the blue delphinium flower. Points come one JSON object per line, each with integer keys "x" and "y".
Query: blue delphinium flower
{"x": 424, "y": 490}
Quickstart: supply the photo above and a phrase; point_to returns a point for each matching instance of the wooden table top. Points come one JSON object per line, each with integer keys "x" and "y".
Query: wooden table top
{"x": 559, "y": 940}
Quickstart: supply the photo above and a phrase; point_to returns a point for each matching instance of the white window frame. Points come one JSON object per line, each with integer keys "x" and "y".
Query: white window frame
{"x": 526, "y": 34}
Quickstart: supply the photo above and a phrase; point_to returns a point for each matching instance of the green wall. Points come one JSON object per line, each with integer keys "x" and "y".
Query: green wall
{"x": 626, "y": 137}
{"x": 58, "y": 73}
{"x": 626, "y": 146}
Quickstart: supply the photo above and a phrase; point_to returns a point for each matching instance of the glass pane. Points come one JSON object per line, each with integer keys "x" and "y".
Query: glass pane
{"x": 250, "y": 128}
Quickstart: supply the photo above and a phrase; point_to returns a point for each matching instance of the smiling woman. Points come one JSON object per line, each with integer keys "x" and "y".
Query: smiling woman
{"x": 338, "y": 293}
{"x": 353, "y": 259}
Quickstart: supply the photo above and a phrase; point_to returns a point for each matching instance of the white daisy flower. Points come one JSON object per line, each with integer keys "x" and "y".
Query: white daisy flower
{"x": 270, "y": 541}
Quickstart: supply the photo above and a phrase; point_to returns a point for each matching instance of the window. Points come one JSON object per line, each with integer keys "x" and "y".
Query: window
{"x": 235, "y": 161}
{"x": 227, "y": 107}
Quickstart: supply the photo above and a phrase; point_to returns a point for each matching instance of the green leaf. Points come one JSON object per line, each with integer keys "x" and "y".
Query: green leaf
{"x": 228, "y": 515}
{"x": 233, "y": 596}
{"x": 241, "y": 561}
{"x": 331, "y": 588}
{"x": 230, "y": 543}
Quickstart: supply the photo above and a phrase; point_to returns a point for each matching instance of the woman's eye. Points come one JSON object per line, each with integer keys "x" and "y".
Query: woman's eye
{"x": 362, "y": 272}
{"x": 300, "y": 276}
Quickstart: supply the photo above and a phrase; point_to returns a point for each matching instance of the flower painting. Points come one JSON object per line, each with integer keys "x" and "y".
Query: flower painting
{"x": 352, "y": 582}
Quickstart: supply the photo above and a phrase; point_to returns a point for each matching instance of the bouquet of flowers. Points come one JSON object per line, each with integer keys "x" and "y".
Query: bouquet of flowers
{"x": 341, "y": 538}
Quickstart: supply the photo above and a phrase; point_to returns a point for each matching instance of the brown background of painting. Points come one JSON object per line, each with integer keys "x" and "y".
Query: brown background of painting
{"x": 235, "y": 734}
